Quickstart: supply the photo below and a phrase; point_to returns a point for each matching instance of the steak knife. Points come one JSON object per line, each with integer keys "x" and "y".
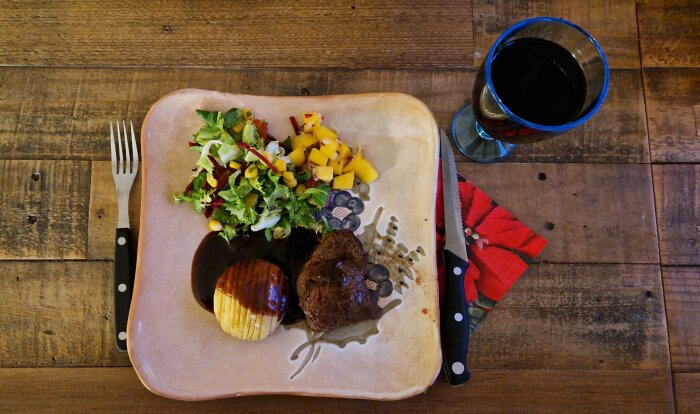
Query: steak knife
{"x": 454, "y": 316}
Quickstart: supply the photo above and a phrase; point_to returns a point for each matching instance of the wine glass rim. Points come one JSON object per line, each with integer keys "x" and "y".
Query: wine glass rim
{"x": 548, "y": 128}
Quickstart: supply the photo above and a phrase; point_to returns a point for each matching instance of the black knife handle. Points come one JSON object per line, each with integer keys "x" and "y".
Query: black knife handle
{"x": 123, "y": 266}
{"x": 454, "y": 324}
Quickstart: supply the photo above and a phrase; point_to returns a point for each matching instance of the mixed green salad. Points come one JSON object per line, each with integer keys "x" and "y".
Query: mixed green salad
{"x": 244, "y": 181}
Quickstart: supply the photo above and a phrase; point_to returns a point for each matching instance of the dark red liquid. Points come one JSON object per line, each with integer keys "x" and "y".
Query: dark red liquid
{"x": 539, "y": 80}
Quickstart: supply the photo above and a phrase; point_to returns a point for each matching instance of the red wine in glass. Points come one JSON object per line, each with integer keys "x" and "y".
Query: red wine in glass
{"x": 544, "y": 76}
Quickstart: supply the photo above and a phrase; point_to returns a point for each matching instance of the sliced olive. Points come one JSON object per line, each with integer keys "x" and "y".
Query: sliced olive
{"x": 385, "y": 288}
{"x": 327, "y": 214}
{"x": 351, "y": 223}
{"x": 335, "y": 223}
{"x": 356, "y": 205}
{"x": 377, "y": 273}
{"x": 341, "y": 198}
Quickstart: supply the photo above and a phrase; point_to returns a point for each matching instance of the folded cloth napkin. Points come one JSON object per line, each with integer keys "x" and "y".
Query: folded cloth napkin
{"x": 499, "y": 248}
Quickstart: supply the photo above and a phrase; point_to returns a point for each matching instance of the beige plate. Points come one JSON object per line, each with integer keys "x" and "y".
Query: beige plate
{"x": 176, "y": 346}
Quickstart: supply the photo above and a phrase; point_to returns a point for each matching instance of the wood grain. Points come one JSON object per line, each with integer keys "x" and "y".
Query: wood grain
{"x": 599, "y": 213}
{"x": 102, "y": 221}
{"x": 669, "y": 32}
{"x": 682, "y": 292}
{"x": 43, "y": 209}
{"x": 612, "y": 23}
{"x": 677, "y": 192}
{"x": 492, "y": 391}
{"x": 672, "y": 98}
{"x": 57, "y": 314}
{"x": 363, "y": 34}
{"x": 65, "y": 112}
{"x": 687, "y": 391}
{"x": 577, "y": 317}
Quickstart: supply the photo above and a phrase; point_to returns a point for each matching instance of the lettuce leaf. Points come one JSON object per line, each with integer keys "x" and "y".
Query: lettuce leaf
{"x": 317, "y": 196}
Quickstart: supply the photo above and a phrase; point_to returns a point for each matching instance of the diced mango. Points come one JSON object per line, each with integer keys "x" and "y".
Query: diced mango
{"x": 344, "y": 182}
{"x": 324, "y": 174}
{"x": 298, "y": 156}
{"x": 300, "y": 189}
{"x": 344, "y": 151}
{"x": 235, "y": 165}
{"x": 303, "y": 140}
{"x": 350, "y": 166}
{"x": 337, "y": 165}
{"x": 280, "y": 165}
{"x": 311, "y": 119}
{"x": 318, "y": 158}
{"x": 365, "y": 171}
{"x": 329, "y": 150}
{"x": 324, "y": 134}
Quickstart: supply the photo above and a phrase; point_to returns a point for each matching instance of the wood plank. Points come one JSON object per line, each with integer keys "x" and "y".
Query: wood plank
{"x": 64, "y": 112}
{"x": 57, "y": 314}
{"x": 598, "y": 213}
{"x": 577, "y": 317}
{"x": 365, "y": 34}
{"x": 682, "y": 292}
{"x": 43, "y": 209}
{"x": 103, "y": 211}
{"x": 612, "y": 23}
{"x": 673, "y": 109}
{"x": 669, "y": 33}
{"x": 687, "y": 390}
{"x": 677, "y": 192}
{"x": 491, "y": 391}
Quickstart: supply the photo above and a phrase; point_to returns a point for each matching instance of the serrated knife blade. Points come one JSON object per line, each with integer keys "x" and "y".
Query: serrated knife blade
{"x": 454, "y": 315}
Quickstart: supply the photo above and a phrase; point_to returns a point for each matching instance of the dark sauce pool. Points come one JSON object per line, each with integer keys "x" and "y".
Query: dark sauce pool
{"x": 214, "y": 255}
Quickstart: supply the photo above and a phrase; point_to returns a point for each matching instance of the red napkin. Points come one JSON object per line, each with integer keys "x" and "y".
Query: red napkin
{"x": 497, "y": 244}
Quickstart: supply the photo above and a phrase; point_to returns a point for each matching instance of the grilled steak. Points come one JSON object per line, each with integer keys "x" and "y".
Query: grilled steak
{"x": 331, "y": 285}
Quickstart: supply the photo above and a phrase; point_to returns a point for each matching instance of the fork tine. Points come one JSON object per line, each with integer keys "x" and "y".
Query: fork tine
{"x": 127, "y": 164}
{"x": 134, "y": 150}
{"x": 114, "y": 151}
{"x": 120, "y": 166}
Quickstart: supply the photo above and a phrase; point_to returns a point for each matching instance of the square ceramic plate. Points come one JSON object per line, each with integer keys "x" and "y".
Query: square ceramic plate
{"x": 177, "y": 347}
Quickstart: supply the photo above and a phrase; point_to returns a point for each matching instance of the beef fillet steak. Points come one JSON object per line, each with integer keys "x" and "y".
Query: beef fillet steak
{"x": 331, "y": 285}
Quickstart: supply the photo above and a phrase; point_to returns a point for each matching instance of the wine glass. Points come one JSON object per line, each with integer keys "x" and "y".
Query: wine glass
{"x": 542, "y": 77}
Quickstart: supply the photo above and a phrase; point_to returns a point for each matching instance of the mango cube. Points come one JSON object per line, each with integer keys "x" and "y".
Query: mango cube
{"x": 350, "y": 166}
{"x": 298, "y": 156}
{"x": 324, "y": 134}
{"x": 344, "y": 182}
{"x": 304, "y": 141}
{"x": 365, "y": 171}
{"x": 311, "y": 119}
{"x": 337, "y": 165}
{"x": 318, "y": 158}
{"x": 344, "y": 151}
{"x": 324, "y": 174}
{"x": 329, "y": 150}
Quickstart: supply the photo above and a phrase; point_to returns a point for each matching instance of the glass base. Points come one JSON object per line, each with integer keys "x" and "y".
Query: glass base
{"x": 472, "y": 141}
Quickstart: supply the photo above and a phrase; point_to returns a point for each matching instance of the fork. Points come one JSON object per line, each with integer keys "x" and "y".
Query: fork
{"x": 124, "y": 170}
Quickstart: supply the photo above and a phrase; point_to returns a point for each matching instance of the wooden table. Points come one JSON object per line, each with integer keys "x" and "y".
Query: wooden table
{"x": 607, "y": 322}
